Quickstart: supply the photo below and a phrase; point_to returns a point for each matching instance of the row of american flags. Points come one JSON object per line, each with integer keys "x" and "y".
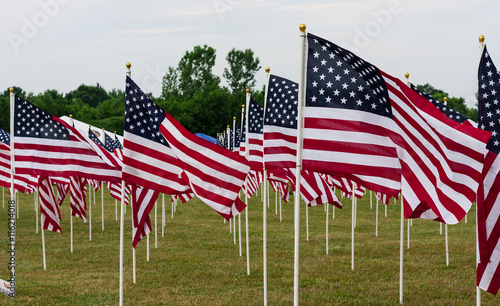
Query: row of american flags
{"x": 362, "y": 128}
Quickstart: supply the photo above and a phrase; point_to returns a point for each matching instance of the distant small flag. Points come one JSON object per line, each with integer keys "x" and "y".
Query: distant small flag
{"x": 4, "y": 137}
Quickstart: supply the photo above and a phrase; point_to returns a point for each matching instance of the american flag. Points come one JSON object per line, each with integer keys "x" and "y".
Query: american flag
{"x": 143, "y": 200}
{"x": 4, "y": 137}
{"x": 49, "y": 210}
{"x": 448, "y": 111}
{"x": 148, "y": 161}
{"x": 215, "y": 175}
{"x": 46, "y": 145}
{"x": 359, "y": 120}
{"x": 255, "y": 135}
{"x": 77, "y": 190}
{"x": 280, "y": 123}
{"x": 488, "y": 269}
{"x": 184, "y": 197}
{"x": 237, "y": 138}
{"x": 62, "y": 191}
{"x": 280, "y": 185}
{"x": 21, "y": 182}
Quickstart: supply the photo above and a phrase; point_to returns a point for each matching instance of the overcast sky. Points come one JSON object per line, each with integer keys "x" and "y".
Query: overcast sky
{"x": 60, "y": 44}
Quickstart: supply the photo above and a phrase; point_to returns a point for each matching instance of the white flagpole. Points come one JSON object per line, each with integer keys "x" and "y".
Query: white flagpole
{"x": 12, "y": 204}
{"x": 102, "y": 204}
{"x": 147, "y": 246}
{"x": 376, "y": 218}
{"x": 42, "y": 219}
{"x": 307, "y": 222}
{"x": 229, "y": 148}
{"x": 408, "y": 234}
{"x": 3, "y": 197}
{"x": 401, "y": 253}
{"x": 163, "y": 215}
{"x": 172, "y": 198}
{"x": 446, "y": 238}
{"x": 300, "y": 122}
{"x": 18, "y": 204}
{"x": 246, "y": 181}
{"x": 156, "y": 225}
{"x": 266, "y": 198}
{"x": 71, "y": 226}
{"x": 90, "y": 213}
{"x": 371, "y": 200}
{"x": 276, "y": 202}
{"x": 133, "y": 249}
{"x": 326, "y": 227}
{"x": 122, "y": 231}
{"x": 36, "y": 208}
{"x": 353, "y": 223}
{"x": 239, "y": 215}
{"x": 116, "y": 210}
{"x": 281, "y": 216}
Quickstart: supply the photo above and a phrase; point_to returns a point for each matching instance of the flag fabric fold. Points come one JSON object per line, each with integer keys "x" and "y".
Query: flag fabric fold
{"x": 49, "y": 210}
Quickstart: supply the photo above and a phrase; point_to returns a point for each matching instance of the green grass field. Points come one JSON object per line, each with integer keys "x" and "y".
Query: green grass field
{"x": 196, "y": 262}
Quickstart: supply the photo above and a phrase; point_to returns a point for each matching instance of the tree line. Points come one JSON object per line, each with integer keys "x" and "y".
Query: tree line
{"x": 191, "y": 93}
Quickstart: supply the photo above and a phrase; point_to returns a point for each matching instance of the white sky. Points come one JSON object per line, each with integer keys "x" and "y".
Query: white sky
{"x": 73, "y": 42}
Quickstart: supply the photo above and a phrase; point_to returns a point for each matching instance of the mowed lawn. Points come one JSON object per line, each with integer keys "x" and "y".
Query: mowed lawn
{"x": 197, "y": 262}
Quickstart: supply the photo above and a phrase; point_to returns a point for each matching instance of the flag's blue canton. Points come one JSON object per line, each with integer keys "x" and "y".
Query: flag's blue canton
{"x": 142, "y": 116}
{"x": 94, "y": 138}
{"x": 109, "y": 143}
{"x": 337, "y": 78}
{"x": 4, "y": 137}
{"x": 489, "y": 106}
{"x": 224, "y": 144}
{"x": 255, "y": 117}
{"x": 30, "y": 121}
{"x": 237, "y": 137}
{"x": 118, "y": 144}
{"x": 281, "y": 104}
{"x": 448, "y": 111}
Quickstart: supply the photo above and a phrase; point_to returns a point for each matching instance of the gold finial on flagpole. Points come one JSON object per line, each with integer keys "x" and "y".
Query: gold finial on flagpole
{"x": 71, "y": 116}
{"x": 129, "y": 65}
{"x": 302, "y": 28}
{"x": 445, "y": 100}
{"x": 129, "y": 73}
{"x": 234, "y": 118}
{"x": 268, "y": 69}
{"x": 481, "y": 39}
{"x": 407, "y": 76}
{"x": 90, "y": 125}
{"x": 243, "y": 106}
{"x": 11, "y": 90}
{"x": 248, "y": 90}
{"x": 228, "y": 126}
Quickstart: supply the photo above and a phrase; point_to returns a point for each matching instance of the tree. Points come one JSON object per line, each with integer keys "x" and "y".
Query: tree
{"x": 91, "y": 95}
{"x": 195, "y": 71}
{"x": 242, "y": 69}
{"x": 170, "y": 84}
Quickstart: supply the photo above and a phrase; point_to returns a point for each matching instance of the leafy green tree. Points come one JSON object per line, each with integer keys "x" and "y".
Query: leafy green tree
{"x": 170, "y": 84}
{"x": 242, "y": 69}
{"x": 195, "y": 71}
{"x": 91, "y": 95}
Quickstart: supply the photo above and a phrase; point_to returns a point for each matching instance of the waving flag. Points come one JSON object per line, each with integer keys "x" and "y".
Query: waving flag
{"x": 359, "y": 120}
{"x": 78, "y": 197}
{"x": 488, "y": 208}
{"x": 255, "y": 135}
{"x": 280, "y": 124}
{"x": 48, "y": 146}
{"x": 49, "y": 210}
{"x": 4, "y": 137}
{"x": 143, "y": 200}
{"x": 148, "y": 160}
